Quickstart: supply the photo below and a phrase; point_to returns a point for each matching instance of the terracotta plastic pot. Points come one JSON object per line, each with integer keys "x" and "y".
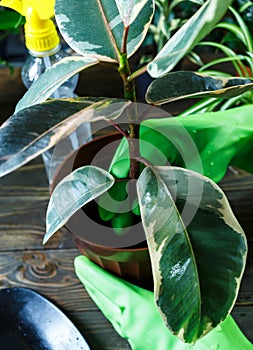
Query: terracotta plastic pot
{"x": 123, "y": 255}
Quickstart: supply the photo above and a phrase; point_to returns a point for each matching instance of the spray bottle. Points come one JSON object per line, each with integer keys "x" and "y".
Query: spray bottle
{"x": 43, "y": 44}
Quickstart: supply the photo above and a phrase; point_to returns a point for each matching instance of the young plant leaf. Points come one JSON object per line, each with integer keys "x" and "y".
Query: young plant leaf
{"x": 227, "y": 51}
{"x": 34, "y": 130}
{"x": 196, "y": 246}
{"x": 52, "y": 78}
{"x": 195, "y": 29}
{"x": 233, "y": 28}
{"x": 186, "y": 84}
{"x": 101, "y": 25}
{"x": 75, "y": 190}
{"x": 244, "y": 29}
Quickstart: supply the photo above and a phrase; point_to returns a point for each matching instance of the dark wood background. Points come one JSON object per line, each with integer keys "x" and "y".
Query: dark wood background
{"x": 24, "y": 261}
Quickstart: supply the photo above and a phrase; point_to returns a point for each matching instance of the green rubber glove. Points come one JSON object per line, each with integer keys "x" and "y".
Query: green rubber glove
{"x": 133, "y": 314}
{"x": 207, "y": 143}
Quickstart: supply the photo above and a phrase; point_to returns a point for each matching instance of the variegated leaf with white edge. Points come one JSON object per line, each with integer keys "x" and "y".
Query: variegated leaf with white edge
{"x": 75, "y": 190}
{"x": 186, "y": 84}
{"x": 130, "y": 9}
{"x": 96, "y": 28}
{"x": 34, "y": 130}
{"x": 53, "y": 78}
{"x": 197, "y": 249}
{"x": 195, "y": 29}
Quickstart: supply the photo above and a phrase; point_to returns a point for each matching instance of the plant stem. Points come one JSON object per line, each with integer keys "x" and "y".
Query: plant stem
{"x": 117, "y": 127}
{"x": 134, "y": 152}
{"x": 129, "y": 93}
{"x": 128, "y": 85}
{"x": 137, "y": 73}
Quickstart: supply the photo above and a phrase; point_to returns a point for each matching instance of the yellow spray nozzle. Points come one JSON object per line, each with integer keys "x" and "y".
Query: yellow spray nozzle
{"x": 45, "y": 8}
{"x": 40, "y": 32}
{"x": 16, "y": 5}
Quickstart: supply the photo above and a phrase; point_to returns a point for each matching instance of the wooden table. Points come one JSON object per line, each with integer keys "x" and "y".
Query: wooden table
{"x": 25, "y": 262}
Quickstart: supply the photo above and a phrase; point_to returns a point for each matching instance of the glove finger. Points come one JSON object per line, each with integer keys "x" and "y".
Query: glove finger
{"x": 132, "y": 313}
{"x": 120, "y": 164}
{"x": 111, "y": 287}
{"x": 214, "y": 139}
{"x": 113, "y": 199}
{"x": 130, "y": 309}
{"x": 100, "y": 279}
{"x": 96, "y": 284}
{"x": 226, "y": 336}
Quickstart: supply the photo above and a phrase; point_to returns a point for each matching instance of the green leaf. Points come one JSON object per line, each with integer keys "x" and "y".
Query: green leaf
{"x": 233, "y": 59}
{"x": 202, "y": 106}
{"x": 75, "y": 190}
{"x": 244, "y": 29}
{"x": 233, "y": 28}
{"x": 228, "y": 52}
{"x": 182, "y": 42}
{"x": 186, "y": 84}
{"x": 96, "y": 27}
{"x": 175, "y": 3}
{"x": 197, "y": 248}
{"x": 215, "y": 73}
{"x": 245, "y": 6}
{"x": 10, "y": 20}
{"x": 52, "y": 78}
{"x": 34, "y": 130}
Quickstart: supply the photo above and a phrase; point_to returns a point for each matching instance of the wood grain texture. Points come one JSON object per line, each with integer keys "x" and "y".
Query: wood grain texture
{"x": 24, "y": 197}
{"x": 48, "y": 269}
{"x": 238, "y": 186}
{"x": 51, "y": 273}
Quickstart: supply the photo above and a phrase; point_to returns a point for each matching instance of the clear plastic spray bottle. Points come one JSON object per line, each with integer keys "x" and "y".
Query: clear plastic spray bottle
{"x": 44, "y": 48}
{"x": 43, "y": 44}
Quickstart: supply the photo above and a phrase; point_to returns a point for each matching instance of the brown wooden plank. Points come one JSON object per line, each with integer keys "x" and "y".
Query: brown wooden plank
{"x": 27, "y": 235}
{"x": 245, "y": 297}
{"x": 98, "y": 331}
{"x": 12, "y": 88}
{"x": 238, "y": 187}
{"x": 24, "y": 196}
{"x": 243, "y": 317}
{"x": 51, "y": 273}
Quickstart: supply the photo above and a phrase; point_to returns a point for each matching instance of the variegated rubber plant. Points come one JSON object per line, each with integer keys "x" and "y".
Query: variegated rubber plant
{"x": 198, "y": 267}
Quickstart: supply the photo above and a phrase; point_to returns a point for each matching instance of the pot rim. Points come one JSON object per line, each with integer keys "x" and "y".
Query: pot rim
{"x": 59, "y": 168}
{"x": 55, "y": 182}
